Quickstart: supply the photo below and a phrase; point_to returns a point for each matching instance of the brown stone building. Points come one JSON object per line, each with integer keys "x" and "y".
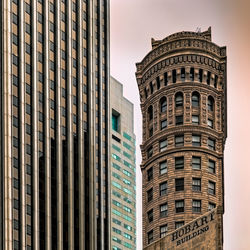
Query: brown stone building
{"x": 182, "y": 85}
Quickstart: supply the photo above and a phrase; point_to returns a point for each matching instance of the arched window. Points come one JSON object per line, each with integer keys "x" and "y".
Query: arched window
{"x": 210, "y": 103}
{"x": 163, "y": 104}
{"x": 150, "y": 113}
{"x": 195, "y": 99}
{"x": 179, "y": 99}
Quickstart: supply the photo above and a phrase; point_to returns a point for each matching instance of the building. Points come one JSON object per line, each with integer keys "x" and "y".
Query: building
{"x": 123, "y": 170}
{"x": 54, "y": 138}
{"x": 182, "y": 84}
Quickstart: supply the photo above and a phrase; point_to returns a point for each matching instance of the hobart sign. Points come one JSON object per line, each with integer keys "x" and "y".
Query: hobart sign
{"x": 192, "y": 230}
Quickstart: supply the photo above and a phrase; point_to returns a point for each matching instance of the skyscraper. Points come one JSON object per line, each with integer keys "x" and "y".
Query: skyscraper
{"x": 54, "y": 137}
{"x": 123, "y": 170}
{"x": 182, "y": 84}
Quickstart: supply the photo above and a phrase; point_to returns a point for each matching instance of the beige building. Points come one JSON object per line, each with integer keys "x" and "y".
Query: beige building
{"x": 54, "y": 126}
{"x": 123, "y": 170}
{"x": 182, "y": 84}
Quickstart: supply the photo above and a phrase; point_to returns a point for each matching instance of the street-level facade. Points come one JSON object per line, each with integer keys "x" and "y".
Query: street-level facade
{"x": 54, "y": 139}
{"x": 182, "y": 85}
{"x": 123, "y": 170}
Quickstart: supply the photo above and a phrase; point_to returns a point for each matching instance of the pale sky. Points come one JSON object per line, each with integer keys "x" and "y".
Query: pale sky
{"x": 133, "y": 23}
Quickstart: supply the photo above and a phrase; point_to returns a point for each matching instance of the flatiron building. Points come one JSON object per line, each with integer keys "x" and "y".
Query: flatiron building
{"x": 54, "y": 101}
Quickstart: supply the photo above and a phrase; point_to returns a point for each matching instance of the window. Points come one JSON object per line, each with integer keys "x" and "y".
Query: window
{"x": 179, "y": 99}
{"x": 215, "y": 81}
{"x": 14, "y": 18}
{"x": 150, "y": 132}
{"x": 195, "y": 119}
{"x": 165, "y": 78}
{"x": 29, "y": 229}
{"x": 196, "y": 140}
{"x": 192, "y": 74}
{"x": 164, "y": 210}
{"x": 116, "y": 230}
{"x": 150, "y": 113}
{"x": 150, "y": 194}
{"x": 150, "y": 152}
{"x": 195, "y": 99}
{"x": 183, "y": 74}
{"x": 150, "y": 236}
{"x": 179, "y": 184}
{"x": 150, "y": 215}
{"x": 179, "y": 162}
{"x": 164, "y": 124}
{"x": 179, "y": 206}
{"x": 208, "y": 77}
{"x": 211, "y": 187}
{"x": 163, "y": 167}
{"x": 174, "y": 75}
{"x": 15, "y": 142}
{"x": 15, "y": 121}
{"x": 211, "y": 166}
{"x": 196, "y": 206}
{"x": 115, "y": 120}
{"x": 211, "y": 144}
{"x": 179, "y": 120}
{"x": 16, "y": 204}
{"x": 163, "y": 104}
{"x": 196, "y": 184}
{"x": 163, "y": 188}
{"x": 196, "y": 162}
{"x": 158, "y": 82}
{"x": 210, "y": 123}
{"x": 179, "y": 140}
{"x": 200, "y": 75}
{"x": 163, "y": 230}
{"x": 211, "y": 206}
{"x": 15, "y": 60}
{"x": 179, "y": 224}
{"x": 28, "y": 129}
{"x": 15, "y": 101}
{"x": 15, "y": 183}
{"x": 16, "y": 224}
{"x": 150, "y": 174}
{"x": 210, "y": 103}
{"x": 163, "y": 145}
{"x": 146, "y": 93}
{"x": 14, "y": 39}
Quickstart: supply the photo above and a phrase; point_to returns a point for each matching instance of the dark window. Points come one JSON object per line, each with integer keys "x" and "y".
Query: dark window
{"x": 179, "y": 184}
{"x": 164, "y": 124}
{"x": 146, "y": 93}
{"x": 158, "y": 82}
{"x": 40, "y": 37}
{"x": 28, "y": 189}
{"x": 39, "y": 17}
{"x": 51, "y": 7}
{"x": 150, "y": 132}
{"x": 16, "y": 224}
{"x": 150, "y": 113}
{"x": 179, "y": 120}
{"x": 196, "y": 162}
{"x": 192, "y": 74}
{"x": 196, "y": 184}
{"x": 179, "y": 206}
{"x": 163, "y": 188}
{"x": 183, "y": 74}
{"x": 196, "y": 140}
{"x": 211, "y": 144}
{"x": 150, "y": 194}
{"x": 163, "y": 104}
{"x": 163, "y": 167}
{"x": 179, "y": 140}
{"x": 15, "y": 59}
{"x": 196, "y": 206}
{"x": 27, "y": 48}
{"x": 15, "y": 80}
{"x": 165, "y": 78}
{"x": 28, "y": 149}
{"x": 164, "y": 210}
{"x": 179, "y": 99}
{"x": 28, "y": 169}
{"x": 15, "y": 142}
{"x": 27, "y": 28}
{"x": 14, "y": 18}
{"x": 174, "y": 76}
{"x": 150, "y": 236}
{"x": 150, "y": 215}
{"x": 195, "y": 119}
{"x": 200, "y": 75}
{"x": 15, "y": 183}
{"x": 150, "y": 174}
{"x": 150, "y": 152}
{"x": 210, "y": 103}
{"x": 15, "y": 101}
{"x": 115, "y": 121}
{"x": 28, "y": 88}
{"x": 211, "y": 166}
{"x": 15, "y": 121}
{"x": 28, "y": 68}
{"x": 15, "y": 162}
{"x": 195, "y": 99}
{"x": 14, "y": 39}
{"x": 29, "y": 229}
{"x": 208, "y": 77}
{"x": 215, "y": 81}
{"x": 163, "y": 230}
{"x": 28, "y": 129}
{"x": 28, "y": 209}
{"x": 51, "y": 26}
{"x": 211, "y": 187}
{"x": 28, "y": 108}
{"x": 179, "y": 162}
{"x": 15, "y": 204}
{"x": 179, "y": 224}
{"x": 211, "y": 206}
{"x": 40, "y": 116}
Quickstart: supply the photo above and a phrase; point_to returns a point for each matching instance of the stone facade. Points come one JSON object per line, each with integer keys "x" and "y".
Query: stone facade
{"x": 182, "y": 85}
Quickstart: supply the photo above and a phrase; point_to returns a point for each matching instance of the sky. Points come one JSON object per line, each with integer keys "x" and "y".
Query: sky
{"x": 133, "y": 24}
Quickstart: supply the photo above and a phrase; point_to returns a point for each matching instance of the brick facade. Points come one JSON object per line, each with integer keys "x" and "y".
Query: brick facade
{"x": 182, "y": 85}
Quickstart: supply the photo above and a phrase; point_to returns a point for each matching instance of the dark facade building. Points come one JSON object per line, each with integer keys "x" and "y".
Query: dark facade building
{"x": 182, "y": 84}
{"x": 54, "y": 101}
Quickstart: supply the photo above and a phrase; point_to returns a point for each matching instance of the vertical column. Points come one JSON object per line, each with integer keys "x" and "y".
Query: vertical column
{"x": 59, "y": 174}
{"x": 69, "y": 132}
{"x": 6, "y": 123}
{"x": 47, "y": 131}
{"x": 80, "y": 129}
{"x": 35, "y": 170}
{"x": 91, "y": 127}
{"x": 22, "y": 185}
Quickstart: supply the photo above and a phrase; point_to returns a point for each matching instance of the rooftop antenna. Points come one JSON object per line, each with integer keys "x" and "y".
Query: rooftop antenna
{"x": 198, "y": 30}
